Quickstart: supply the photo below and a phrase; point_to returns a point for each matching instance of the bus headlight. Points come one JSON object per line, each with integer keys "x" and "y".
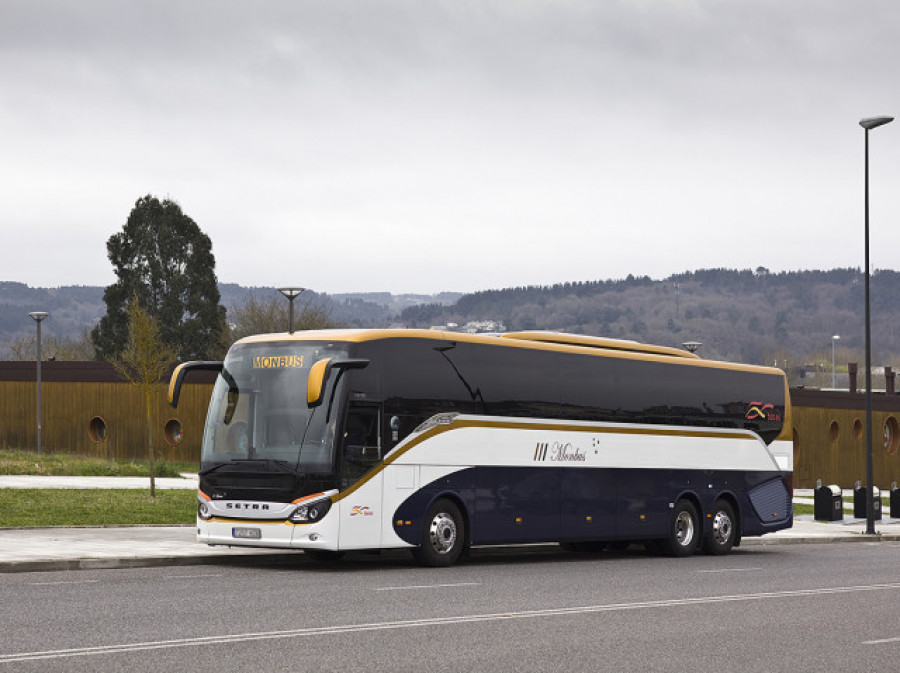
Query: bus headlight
{"x": 203, "y": 511}
{"x": 310, "y": 512}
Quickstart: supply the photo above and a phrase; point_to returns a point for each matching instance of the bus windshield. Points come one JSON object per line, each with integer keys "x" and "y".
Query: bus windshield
{"x": 258, "y": 410}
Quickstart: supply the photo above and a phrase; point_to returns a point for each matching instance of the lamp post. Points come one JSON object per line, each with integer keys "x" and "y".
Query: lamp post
{"x": 291, "y": 293}
{"x": 868, "y": 124}
{"x": 38, "y": 316}
{"x": 836, "y": 337}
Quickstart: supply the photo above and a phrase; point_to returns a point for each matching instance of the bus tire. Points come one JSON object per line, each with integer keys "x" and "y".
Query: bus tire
{"x": 684, "y": 530}
{"x": 443, "y": 536}
{"x": 323, "y": 555}
{"x": 723, "y": 530}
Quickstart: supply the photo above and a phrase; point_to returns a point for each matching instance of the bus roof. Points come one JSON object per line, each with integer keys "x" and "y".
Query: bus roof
{"x": 537, "y": 340}
{"x": 598, "y": 342}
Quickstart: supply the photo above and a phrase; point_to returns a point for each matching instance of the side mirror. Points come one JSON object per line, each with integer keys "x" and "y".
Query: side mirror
{"x": 182, "y": 370}
{"x": 319, "y": 373}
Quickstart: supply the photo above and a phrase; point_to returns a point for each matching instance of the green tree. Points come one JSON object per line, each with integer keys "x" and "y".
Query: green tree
{"x": 162, "y": 258}
{"x": 145, "y": 361}
{"x": 258, "y": 316}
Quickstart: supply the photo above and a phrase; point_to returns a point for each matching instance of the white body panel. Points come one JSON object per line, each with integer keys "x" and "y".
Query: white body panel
{"x": 362, "y": 517}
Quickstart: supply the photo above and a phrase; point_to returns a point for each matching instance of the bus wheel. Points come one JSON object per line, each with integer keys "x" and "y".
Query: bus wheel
{"x": 443, "y": 536}
{"x": 721, "y": 538}
{"x": 323, "y": 555}
{"x": 684, "y": 530}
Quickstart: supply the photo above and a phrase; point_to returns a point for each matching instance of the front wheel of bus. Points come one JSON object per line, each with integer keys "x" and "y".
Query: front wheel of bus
{"x": 684, "y": 530}
{"x": 443, "y": 536}
{"x": 722, "y": 535}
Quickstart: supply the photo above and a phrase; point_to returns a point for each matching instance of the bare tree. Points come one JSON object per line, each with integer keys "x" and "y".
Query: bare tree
{"x": 257, "y": 316}
{"x": 52, "y": 348}
{"x": 146, "y": 361}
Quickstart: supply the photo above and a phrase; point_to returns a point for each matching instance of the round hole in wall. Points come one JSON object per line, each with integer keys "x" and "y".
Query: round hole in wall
{"x": 97, "y": 429}
{"x": 834, "y": 431}
{"x": 857, "y": 429}
{"x": 173, "y": 432}
{"x": 891, "y": 435}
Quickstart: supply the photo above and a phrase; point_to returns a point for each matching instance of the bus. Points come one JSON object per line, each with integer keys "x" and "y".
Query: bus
{"x": 337, "y": 440}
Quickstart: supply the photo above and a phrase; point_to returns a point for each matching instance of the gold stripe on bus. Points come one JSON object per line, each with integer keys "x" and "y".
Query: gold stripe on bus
{"x": 525, "y": 425}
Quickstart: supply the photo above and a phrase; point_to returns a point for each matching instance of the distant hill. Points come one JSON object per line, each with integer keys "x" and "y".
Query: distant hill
{"x": 74, "y": 308}
{"x": 745, "y": 316}
{"x": 749, "y": 316}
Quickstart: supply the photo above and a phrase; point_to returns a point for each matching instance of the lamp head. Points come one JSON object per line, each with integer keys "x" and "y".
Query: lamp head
{"x": 873, "y": 122}
{"x": 38, "y": 315}
{"x": 291, "y": 292}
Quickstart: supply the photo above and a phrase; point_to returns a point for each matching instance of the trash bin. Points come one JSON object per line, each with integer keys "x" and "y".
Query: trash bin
{"x": 859, "y": 502}
{"x": 828, "y": 503}
{"x": 895, "y": 501}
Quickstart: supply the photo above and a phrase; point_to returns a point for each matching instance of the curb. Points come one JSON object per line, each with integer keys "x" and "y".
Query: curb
{"x": 254, "y": 556}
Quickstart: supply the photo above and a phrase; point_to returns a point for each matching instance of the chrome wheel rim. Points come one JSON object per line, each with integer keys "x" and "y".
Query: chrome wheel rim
{"x": 442, "y": 533}
{"x": 684, "y": 529}
{"x": 722, "y": 528}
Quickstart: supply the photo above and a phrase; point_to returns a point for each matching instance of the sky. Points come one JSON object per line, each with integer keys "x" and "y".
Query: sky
{"x": 419, "y": 146}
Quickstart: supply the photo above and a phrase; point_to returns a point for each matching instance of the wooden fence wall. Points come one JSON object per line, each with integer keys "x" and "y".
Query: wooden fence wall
{"x": 829, "y": 438}
{"x": 103, "y": 416}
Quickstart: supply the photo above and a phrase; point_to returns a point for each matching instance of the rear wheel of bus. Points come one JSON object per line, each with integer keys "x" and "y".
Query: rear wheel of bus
{"x": 722, "y": 532}
{"x": 443, "y": 537}
{"x": 684, "y": 530}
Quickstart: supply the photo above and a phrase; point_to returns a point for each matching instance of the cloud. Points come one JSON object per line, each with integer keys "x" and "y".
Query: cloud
{"x": 422, "y": 146}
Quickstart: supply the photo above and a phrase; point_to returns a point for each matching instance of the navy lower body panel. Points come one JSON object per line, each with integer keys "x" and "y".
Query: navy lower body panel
{"x": 541, "y": 504}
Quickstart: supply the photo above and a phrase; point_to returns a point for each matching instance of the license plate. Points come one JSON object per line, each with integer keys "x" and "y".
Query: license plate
{"x": 246, "y": 533}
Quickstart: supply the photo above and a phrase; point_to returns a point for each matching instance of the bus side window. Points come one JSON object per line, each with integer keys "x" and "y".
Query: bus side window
{"x": 362, "y": 442}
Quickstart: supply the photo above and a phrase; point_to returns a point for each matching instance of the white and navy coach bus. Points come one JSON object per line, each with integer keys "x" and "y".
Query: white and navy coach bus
{"x": 336, "y": 440}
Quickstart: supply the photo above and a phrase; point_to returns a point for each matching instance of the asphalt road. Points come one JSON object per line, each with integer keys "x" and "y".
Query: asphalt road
{"x": 786, "y": 607}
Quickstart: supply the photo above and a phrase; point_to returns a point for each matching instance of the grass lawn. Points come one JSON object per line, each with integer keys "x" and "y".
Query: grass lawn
{"x": 65, "y": 465}
{"x": 100, "y": 507}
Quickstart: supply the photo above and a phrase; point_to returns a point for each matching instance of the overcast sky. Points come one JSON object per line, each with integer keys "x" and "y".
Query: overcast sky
{"x": 418, "y": 146}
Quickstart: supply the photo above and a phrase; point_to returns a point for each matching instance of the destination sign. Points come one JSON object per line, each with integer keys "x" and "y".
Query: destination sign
{"x": 278, "y": 362}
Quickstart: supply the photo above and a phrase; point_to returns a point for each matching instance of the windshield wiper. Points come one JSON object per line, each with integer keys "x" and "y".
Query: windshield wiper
{"x": 216, "y": 467}
{"x": 282, "y": 465}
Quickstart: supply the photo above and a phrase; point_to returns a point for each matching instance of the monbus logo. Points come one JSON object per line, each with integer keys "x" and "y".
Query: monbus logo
{"x": 763, "y": 412}
{"x": 558, "y": 453}
{"x": 277, "y": 361}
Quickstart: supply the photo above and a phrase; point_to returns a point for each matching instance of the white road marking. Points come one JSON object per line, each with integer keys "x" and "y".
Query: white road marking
{"x": 883, "y": 641}
{"x": 50, "y": 584}
{"x": 729, "y": 570}
{"x": 232, "y": 638}
{"x": 429, "y": 586}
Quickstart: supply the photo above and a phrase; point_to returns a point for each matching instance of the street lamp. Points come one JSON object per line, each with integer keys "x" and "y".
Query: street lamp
{"x": 291, "y": 293}
{"x": 691, "y": 346}
{"x": 836, "y": 337}
{"x": 38, "y": 316}
{"x": 869, "y": 124}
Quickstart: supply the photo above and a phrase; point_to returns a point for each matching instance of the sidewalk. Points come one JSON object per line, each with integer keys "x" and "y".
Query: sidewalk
{"x": 187, "y": 481}
{"x": 34, "y": 549}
